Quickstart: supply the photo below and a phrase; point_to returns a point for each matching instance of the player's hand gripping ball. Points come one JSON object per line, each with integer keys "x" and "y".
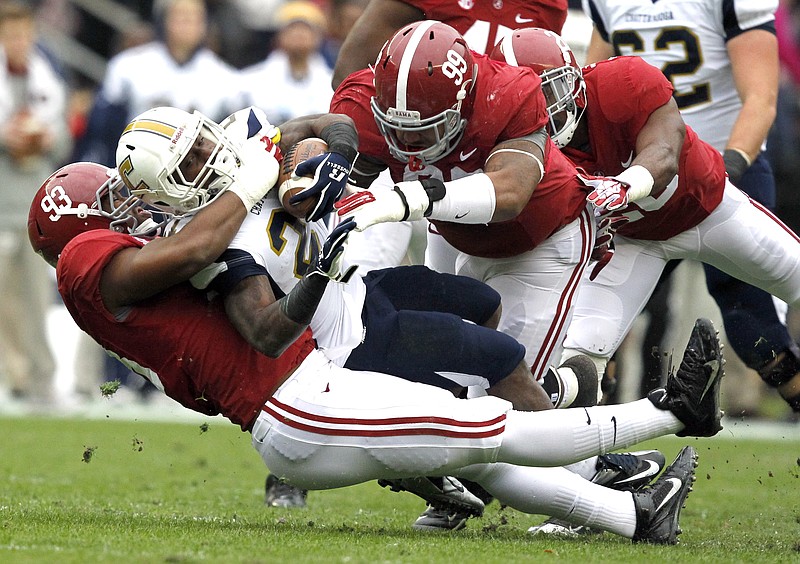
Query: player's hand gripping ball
{"x": 289, "y": 184}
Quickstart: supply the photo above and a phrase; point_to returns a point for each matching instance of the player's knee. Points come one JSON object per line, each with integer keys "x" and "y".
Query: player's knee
{"x": 600, "y": 362}
{"x": 594, "y": 336}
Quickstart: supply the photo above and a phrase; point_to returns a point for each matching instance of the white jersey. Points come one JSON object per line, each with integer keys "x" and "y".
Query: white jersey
{"x": 287, "y": 247}
{"x": 147, "y": 76}
{"x": 686, "y": 39}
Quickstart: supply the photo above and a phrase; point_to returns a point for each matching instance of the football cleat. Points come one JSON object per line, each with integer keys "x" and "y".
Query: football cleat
{"x": 445, "y": 493}
{"x": 441, "y": 519}
{"x": 658, "y": 507}
{"x": 628, "y": 471}
{"x": 281, "y": 494}
{"x": 692, "y": 393}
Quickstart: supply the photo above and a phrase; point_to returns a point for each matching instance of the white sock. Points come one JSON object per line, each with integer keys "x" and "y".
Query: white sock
{"x": 557, "y": 492}
{"x": 564, "y": 436}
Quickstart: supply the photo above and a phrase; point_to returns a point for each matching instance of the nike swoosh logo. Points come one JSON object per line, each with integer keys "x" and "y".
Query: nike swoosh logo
{"x": 675, "y": 487}
{"x": 519, "y": 19}
{"x": 459, "y": 216}
{"x": 652, "y": 470}
{"x": 464, "y": 156}
{"x": 626, "y": 164}
{"x": 714, "y": 364}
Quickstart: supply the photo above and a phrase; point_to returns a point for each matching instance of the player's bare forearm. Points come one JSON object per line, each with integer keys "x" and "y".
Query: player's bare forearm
{"x": 303, "y": 127}
{"x": 380, "y": 20}
{"x": 599, "y": 49}
{"x": 140, "y": 273}
{"x": 257, "y": 316}
{"x": 755, "y": 67}
{"x": 514, "y": 169}
{"x": 659, "y": 144}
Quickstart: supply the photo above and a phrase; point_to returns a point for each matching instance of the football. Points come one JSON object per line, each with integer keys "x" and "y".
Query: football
{"x": 289, "y": 185}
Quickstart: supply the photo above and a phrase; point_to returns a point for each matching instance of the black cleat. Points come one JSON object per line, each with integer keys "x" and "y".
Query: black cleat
{"x": 445, "y": 493}
{"x": 628, "y": 471}
{"x": 658, "y": 507}
{"x": 692, "y": 393}
{"x": 281, "y": 494}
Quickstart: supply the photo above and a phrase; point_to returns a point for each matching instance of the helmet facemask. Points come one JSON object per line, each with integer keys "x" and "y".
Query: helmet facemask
{"x": 126, "y": 212}
{"x": 214, "y": 177}
{"x": 176, "y": 161}
{"x": 446, "y": 128}
{"x": 563, "y": 87}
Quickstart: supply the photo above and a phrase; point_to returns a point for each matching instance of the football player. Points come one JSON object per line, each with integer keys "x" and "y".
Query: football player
{"x": 322, "y": 426}
{"x": 464, "y": 141}
{"x": 408, "y": 321}
{"x": 698, "y": 213}
{"x": 722, "y": 60}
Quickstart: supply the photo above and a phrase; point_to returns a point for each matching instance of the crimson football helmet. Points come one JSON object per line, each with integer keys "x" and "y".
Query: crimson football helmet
{"x": 81, "y": 197}
{"x": 562, "y": 80}
{"x": 424, "y": 81}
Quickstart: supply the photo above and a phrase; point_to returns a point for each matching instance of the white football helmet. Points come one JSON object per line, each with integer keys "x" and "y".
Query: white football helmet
{"x": 152, "y": 149}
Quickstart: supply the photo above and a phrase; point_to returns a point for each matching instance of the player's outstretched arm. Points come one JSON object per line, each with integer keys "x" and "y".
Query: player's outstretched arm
{"x": 380, "y": 20}
{"x": 135, "y": 273}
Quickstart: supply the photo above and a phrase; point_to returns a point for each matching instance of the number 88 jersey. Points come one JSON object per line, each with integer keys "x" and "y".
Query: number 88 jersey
{"x": 686, "y": 39}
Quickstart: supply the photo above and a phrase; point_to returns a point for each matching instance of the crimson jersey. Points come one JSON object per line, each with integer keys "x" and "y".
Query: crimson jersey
{"x": 621, "y": 94}
{"x": 508, "y": 104}
{"x": 484, "y": 23}
{"x": 177, "y": 339}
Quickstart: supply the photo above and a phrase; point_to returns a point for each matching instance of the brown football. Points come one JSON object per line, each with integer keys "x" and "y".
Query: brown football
{"x": 289, "y": 186}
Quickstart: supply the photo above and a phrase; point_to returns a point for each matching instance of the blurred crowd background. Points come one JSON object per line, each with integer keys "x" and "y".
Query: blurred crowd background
{"x": 74, "y": 72}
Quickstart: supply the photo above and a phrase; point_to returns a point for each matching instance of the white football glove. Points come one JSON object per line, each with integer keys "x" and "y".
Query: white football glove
{"x": 407, "y": 201}
{"x": 257, "y": 173}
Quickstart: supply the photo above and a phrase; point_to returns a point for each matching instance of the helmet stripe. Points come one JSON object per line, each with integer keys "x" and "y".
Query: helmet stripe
{"x": 507, "y": 49}
{"x": 157, "y": 127}
{"x": 404, "y": 68}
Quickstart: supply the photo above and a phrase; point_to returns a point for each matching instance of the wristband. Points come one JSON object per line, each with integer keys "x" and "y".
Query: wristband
{"x": 467, "y": 200}
{"x": 341, "y": 138}
{"x": 301, "y": 303}
{"x": 736, "y": 163}
{"x": 640, "y": 181}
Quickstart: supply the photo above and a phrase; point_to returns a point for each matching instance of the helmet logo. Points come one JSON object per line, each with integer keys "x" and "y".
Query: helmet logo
{"x": 454, "y": 67}
{"x": 56, "y": 201}
{"x": 175, "y": 138}
{"x": 403, "y": 115}
{"x": 125, "y": 168}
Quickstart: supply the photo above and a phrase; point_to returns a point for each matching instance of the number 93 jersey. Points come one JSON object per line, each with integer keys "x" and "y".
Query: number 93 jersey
{"x": 686, "y": 39}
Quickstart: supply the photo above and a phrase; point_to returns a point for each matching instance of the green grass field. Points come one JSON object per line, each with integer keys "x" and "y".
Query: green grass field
{"x": 135, "y": 491}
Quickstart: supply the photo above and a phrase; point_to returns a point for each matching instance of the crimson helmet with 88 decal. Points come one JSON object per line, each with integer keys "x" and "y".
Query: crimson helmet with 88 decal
{"x": 563, "y": 87}
{"x": 80, "y": 197}
{"x": 424, "y": 81}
